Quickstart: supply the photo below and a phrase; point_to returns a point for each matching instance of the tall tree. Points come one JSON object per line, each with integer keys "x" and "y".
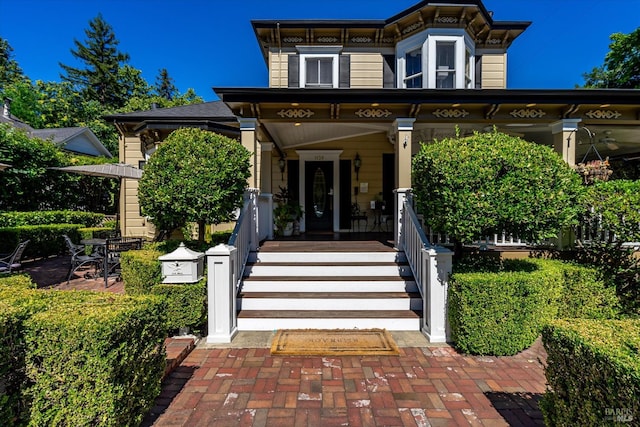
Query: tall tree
{"x": 194, "y": 176}
{"x": 10, "y": 71}
{"x": 621, "y": 67}
{"x": 100, "y": 79}
{"x": 164, "y": 85}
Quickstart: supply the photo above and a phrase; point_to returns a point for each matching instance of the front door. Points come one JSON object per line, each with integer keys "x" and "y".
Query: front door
{"x": 319, "y": 196}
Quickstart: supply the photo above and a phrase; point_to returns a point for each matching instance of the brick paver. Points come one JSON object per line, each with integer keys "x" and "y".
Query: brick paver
{"x": 432, "y": 386}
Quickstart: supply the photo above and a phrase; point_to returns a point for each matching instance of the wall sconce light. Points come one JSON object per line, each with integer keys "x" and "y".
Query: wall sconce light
{"x": 282, "y": 164}
{"x": 357, "y": 163}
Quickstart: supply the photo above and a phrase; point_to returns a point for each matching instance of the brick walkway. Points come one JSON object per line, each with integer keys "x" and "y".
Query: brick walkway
{"x": 430, "y": 386}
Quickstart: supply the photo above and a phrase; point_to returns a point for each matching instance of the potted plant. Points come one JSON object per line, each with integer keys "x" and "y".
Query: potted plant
{"x": 287, "y": 214}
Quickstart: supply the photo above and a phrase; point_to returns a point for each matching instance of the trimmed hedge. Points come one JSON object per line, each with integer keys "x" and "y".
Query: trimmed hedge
{"x": 502, "y": 312}
{"x": 80, "y": 358}
{"x": 186, "y": 303}
{"x": 141, "y": 270}
{"x": 142, "y": 275}
{"x": 17, "y": 281}
{"x": 593, "y": 372}
{"x": 15, "y": 219}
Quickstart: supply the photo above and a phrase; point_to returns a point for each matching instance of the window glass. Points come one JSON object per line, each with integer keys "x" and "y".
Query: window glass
{"x": 445, "y": 64}
{"x": 320, "y": 72}
{"x": 413, "y": 69}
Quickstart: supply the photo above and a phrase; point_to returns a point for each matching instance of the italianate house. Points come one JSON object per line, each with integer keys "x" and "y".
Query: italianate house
{"x": 348, "y": 104}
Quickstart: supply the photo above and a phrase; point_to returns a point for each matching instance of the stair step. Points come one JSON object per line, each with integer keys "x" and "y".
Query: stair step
{"x": 339, "y": 301}
{"x": 330, "y": 295}
{"x": 329, "y": 269}
{"x": 329, "y": 284}
{"x": 327, "y": 257}
{"x": 392, "y": 320}
{"x": 328, "y": 314}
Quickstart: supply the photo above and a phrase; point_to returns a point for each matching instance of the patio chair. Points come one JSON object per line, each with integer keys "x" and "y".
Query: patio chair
{"x": 79, "y": 259}
{"x": 12, "y": 262}
{"x": 114, "y": 247}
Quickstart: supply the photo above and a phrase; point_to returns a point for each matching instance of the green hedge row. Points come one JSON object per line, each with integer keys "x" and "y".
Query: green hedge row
{"x": 593, "y": 372}
{"x": 503, "y": 312}
{"x": 79, "y": 358}
{"x": 15, "y": 219}
{"x": 44, "y": 240}
{"x": 186, "y": 303}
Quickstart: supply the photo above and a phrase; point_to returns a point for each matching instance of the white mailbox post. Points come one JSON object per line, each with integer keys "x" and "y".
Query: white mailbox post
{"x": 182, "y": 266}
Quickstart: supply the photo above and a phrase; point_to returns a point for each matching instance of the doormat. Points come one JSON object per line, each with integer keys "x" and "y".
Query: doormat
{"x": 334, "y": 342}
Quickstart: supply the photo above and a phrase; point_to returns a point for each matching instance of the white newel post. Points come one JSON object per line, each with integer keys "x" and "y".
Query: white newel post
{"x": 438, "y": 262}
{"x": 221, "y": 294}
{"x": 401, "y": 195}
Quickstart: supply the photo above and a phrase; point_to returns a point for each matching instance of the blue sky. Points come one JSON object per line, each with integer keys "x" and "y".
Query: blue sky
{"x": 209, "y": 43}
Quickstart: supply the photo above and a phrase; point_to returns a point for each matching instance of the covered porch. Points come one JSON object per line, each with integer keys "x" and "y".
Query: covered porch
{"x": 344, "y": 156}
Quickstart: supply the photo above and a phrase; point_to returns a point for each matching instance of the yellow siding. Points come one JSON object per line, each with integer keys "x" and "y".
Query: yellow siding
{"x": 132, "y": 223}
{"x": 370, "y": 172}
{"x": 494, "y": 71}
{"x": 366, "y": 70}
{"x": 278, "y": 69}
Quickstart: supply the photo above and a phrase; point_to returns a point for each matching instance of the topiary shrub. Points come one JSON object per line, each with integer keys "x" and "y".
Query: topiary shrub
{"x": 186, "y": 304}
{"x": 15, "y": 219}
{"x": 141, "y": 270}
{"x": 492, "y": 183}
{"x": 142, "y": 275}
{"x": 95, "y": 362}
{"x": 503, "y": 313}
{"x": 585, "y": 294}
{"x": 593, "y": 372}
{"x": 17, "y": 281}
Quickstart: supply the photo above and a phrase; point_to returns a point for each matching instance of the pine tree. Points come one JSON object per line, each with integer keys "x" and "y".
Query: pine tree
{"x": 99, "y": 80}
{"x": 164, "y": 85}
{"x": 10, "y": 71}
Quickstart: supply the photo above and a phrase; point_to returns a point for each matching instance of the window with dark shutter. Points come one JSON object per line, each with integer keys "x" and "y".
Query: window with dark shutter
{"x": 294, "y": 71}
{"x": 345, "y": 71}
{"x": 389, "y": 71}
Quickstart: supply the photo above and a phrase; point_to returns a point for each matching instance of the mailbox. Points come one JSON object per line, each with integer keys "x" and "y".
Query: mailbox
{"x": 182, "y": 266}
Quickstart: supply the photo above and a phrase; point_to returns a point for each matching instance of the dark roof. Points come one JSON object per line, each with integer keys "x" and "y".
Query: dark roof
{"x": 214, "y": 110}
{"x": 15, "y": 122}
{"x": 58, "y": 134}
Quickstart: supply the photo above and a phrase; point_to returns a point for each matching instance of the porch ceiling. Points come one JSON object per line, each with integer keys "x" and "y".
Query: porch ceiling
{"x": 298, "y": 117}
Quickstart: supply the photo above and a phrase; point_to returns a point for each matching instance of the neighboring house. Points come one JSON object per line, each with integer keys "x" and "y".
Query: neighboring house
{"x": 140, "y": 134}
{"x": 79, "y": 140}
{"x": 373, "y": 90}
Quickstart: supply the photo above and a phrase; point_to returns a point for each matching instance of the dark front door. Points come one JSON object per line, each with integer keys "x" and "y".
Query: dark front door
{"x": 319, "y": 196}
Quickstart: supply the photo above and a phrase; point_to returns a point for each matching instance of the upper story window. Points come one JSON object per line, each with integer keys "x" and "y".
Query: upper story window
{"x": 413, "y": 69}
{"x": 436, "y": 58}
{"x": 319, "y": 72}
{"x": 319, "y": 67}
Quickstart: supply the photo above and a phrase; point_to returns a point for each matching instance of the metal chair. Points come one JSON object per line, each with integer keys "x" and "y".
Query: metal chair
{"x": 79, "y": 259}
{"x": 12, "y": 262}
{"x": 113, "y": 249}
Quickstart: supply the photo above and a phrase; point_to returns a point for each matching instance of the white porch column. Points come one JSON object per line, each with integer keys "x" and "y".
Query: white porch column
{"x": 435, "y": 320}
{"x": 565, "y": 139}
{"x": 403, "y": 128}
{"x": 249, "y": 140}
{"x": 266, "y": 175}
{"x": 221, "y": 295}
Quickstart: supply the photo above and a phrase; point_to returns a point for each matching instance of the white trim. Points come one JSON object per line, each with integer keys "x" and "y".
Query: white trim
{"x": 427, "y": 41}
{"x": 320, "y": 156}
{"x": 311, "y": 52}
{"x": 248, "y": 123}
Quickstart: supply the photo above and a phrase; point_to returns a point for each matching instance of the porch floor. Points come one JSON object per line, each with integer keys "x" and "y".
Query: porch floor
{"x": 331, "y": 242}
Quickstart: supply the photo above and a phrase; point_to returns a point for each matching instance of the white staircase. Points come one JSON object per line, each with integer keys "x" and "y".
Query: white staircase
{"x": 328, "y": 290}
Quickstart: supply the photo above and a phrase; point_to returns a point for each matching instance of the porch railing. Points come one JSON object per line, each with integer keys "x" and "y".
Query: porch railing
{"x": 431, "y": 267}
{"x": 226, "y": 264}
